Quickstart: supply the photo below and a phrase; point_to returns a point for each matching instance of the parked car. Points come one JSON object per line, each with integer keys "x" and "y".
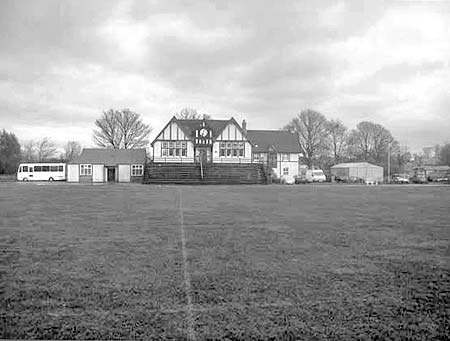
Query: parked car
{"x": 400, "y": 179}
{"x": 287, "y": 179}
{"x": 315, "y": 175}
{"x": 300, "y": 179}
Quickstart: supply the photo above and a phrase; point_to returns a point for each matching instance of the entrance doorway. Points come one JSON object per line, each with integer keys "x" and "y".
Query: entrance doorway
{"x": 111, "y": 174}
{"x": 203, "y": 154}
{"x": 272, "y": 160}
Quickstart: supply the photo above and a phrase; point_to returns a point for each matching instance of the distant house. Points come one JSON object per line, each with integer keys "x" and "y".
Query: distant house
{"x": 107, "y": 165}
{"x": 279, "y": 149}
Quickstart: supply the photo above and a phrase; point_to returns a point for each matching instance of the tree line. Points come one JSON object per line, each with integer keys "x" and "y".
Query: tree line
{"x": 327, "y": 142}
{"x": 43, "y": 150}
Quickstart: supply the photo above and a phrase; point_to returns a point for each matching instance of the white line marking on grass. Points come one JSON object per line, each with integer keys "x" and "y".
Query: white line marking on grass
{"x": 231, "y": 306}
{"x": 187, "y": 277}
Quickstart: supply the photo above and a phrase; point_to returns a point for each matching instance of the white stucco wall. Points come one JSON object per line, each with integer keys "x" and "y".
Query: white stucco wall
{"x": 97, "y": 173}
{"x": 124, "y": 173}
{"x": 73, "y": 174}
{"x": 292, "y": 164}
{"x": 156, "y": 149}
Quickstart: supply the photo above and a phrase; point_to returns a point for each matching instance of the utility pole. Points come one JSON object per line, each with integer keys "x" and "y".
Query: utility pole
{"x": 389, "y": 164}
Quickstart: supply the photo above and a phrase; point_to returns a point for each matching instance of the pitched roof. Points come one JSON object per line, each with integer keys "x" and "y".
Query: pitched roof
{"x": 110, "y": 156}
{"x": 282, "y": 141}
{"x": 354, "y": 165}
{"x": 189, "y": 126}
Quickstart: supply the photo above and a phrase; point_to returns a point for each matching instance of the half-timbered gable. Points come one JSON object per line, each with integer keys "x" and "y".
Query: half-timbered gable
{"x": 173, "y": 144}
{"x": 231, "y": 132}
{"x": 172, "y": 132}
{"x": 232, "y": 145}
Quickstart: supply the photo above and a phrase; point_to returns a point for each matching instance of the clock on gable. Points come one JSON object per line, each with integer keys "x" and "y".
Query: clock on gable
{"x": 203, "y": 135}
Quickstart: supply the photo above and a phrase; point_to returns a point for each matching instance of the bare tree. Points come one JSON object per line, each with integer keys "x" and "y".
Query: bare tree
{"x": 46, "y": 149}
{"x": 71, "y": 149}
{"x": 310, "y": 127}
{"x": 337, "y": 134}
{"x": 121, "y": 129}
{"x": 108, "y": 135}
{"x": 29, "y": 151}
{"x": 191, "y": 114}
{"x": 370, "y": 142}
{"x": 400, "y": 158}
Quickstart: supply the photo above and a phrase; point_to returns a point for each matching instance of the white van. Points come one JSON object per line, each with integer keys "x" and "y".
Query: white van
{"x": 315, "y": 175}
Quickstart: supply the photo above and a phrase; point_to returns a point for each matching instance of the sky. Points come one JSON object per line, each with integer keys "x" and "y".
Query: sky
{"x": 62, "y": 63}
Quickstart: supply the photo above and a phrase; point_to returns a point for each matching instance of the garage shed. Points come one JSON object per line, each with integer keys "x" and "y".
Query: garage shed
{"x": 358, "y": 171}
{"x": 107, "y": 165}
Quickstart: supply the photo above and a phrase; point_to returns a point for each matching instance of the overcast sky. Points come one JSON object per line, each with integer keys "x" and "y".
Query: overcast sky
{"x": 63, "y": 62}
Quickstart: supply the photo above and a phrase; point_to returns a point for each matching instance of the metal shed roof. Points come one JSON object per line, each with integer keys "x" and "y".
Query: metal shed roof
{"x": 355, "y": 165}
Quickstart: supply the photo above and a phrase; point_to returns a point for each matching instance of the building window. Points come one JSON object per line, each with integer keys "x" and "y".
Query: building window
{"x": 174, "y": 148}
{"x": 241, "y": 149}
{"x": 85, "y": 169}
{"x": 137, "y": 170}
{"x": 284, "y": 157}
{"x": 286, "y": 171}
{"x": 259, "y": 157}
{"x": 232, "y": 149}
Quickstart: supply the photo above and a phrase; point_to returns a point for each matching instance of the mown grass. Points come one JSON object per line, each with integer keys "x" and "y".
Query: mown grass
{"x": 7, "y": 177}
{"x": 265, "y": 262}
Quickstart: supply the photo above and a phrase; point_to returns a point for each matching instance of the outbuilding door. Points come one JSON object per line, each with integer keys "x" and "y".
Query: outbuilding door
{"x": 111, "y": 174}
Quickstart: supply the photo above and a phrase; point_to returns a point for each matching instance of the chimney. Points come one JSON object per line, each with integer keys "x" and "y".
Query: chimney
{"x": 244, "y": 127}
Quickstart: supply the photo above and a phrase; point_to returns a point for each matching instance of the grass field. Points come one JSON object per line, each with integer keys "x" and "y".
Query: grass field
{"x": 224, "y": 262}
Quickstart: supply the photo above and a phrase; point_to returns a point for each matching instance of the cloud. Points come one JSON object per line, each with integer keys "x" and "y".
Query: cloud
{"x": 62, "y": 63}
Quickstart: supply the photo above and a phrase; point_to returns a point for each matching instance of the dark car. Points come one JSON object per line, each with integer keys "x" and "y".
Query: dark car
{"x": 299, "y": 179}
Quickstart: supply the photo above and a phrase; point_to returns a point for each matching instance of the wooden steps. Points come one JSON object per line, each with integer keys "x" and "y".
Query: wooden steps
{"x": 183, "y": 173}
{"x": 172, "y": 173}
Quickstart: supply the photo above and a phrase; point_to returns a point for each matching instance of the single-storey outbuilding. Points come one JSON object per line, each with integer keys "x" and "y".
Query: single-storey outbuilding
{"x": 358, "y": 171}
{"x": 107, "y": 165}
